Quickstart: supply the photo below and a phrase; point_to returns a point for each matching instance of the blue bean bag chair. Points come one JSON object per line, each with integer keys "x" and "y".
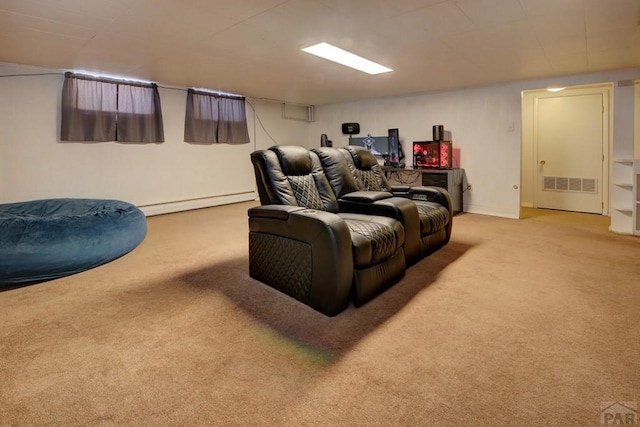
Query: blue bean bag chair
{"x": 46, "y": 239}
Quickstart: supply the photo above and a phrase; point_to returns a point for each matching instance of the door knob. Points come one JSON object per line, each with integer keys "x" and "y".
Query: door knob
{"x": 542, "y": 162}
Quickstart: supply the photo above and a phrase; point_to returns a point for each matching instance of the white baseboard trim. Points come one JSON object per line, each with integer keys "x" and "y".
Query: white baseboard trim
{"x": 204, "y": 202}
{"x": 492, "y": 211}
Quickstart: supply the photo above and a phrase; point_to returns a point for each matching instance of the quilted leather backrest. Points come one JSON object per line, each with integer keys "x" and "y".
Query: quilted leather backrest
{"x": 368, "y": 173}
{"x": 292, "y": 175}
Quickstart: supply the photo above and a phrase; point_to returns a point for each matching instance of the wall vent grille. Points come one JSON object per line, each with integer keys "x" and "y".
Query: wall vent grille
{"x": 305, "y": 113}
{"x": 560, "y": 183}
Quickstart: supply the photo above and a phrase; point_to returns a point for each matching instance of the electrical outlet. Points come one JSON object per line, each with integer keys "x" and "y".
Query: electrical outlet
{"x": 469, "y": 187}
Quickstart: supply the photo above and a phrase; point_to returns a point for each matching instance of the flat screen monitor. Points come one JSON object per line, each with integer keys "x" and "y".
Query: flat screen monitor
{"x": 377, "y": 145}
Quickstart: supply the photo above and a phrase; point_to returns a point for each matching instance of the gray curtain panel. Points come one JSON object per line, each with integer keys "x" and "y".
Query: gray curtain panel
{"x": 99, "y": 109}
{"x": 88, "y": 110}
{"x": 201, "y": 118}
{"x": 139, "y": 114}
{"x": 232, "y": 126}
{"x": 213, "y": 118}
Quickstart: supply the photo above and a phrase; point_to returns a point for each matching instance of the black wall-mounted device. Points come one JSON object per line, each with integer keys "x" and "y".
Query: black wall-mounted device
{"x": 351, "y": 128}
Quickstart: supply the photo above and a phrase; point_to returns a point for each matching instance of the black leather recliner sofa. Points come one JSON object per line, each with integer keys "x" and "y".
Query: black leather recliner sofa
{"x": 330, "y": 229}
{"x": 353, "y": 197}
{"x": 354, "y": 169}
{"x": 435, "y": 209}
{"x": 302, "y": 245}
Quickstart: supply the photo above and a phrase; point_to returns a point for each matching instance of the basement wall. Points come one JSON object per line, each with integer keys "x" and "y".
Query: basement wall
{"x": 485, "y": 123}
{"x": 160, "y": 178}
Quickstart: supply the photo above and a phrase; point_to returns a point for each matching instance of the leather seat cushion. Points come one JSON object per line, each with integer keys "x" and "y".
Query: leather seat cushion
{"x": 433, "y": 217}
{"x": 374, "y": 239}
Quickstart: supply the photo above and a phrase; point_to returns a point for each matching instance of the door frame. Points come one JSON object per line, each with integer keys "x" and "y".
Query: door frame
{"x": 529, "y": 148}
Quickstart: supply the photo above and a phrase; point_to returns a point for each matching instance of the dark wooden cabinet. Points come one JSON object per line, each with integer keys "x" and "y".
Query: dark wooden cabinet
{"x": 449, "y": 179}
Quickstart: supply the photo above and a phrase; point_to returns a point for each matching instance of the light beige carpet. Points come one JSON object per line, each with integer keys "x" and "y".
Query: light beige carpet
{"x": 514, "y": 323}
{"x": 591, "y": 222}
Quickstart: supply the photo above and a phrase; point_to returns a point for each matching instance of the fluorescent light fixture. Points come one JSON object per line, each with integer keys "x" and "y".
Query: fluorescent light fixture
{"x": 555, "y": 89}
{"x": 335, "y": 54}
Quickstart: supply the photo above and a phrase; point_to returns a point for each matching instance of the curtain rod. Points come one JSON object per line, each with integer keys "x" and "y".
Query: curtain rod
{"x": 108, "y": 80}
{"x": 184, "y": 89}
{"x": 214, "y": 94}
{"x": 145, "y": 84}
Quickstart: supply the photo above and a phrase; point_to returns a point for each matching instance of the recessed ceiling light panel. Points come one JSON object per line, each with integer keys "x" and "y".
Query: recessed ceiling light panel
{"x": 335, "y": 54}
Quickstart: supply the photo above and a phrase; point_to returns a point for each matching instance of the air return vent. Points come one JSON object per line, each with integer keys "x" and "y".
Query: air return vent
{"x": 301, "y": 112}
{"x": 560, "y": 183}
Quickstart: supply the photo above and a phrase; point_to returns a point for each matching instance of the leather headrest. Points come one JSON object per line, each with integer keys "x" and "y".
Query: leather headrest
{"x": 337, "y": 166}
{"x": 294, "y": 160}
{"x": 362, "y": 158}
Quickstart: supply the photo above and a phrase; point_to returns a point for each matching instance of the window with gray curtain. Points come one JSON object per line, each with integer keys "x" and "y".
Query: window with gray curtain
{"x": 215, "y": 118}
{"x": 99, "y": 109}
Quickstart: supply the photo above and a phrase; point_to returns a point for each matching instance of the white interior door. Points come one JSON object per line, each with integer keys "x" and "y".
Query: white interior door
{"x": 570, "y": 152}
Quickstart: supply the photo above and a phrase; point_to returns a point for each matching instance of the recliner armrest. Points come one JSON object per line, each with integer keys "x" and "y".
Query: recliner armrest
{"x": 329, "y": 244}
{"x": 432, "y": 194}
{"x": 401, "y": 191}
{"x": 305, "y": 225}
{"x": 273, "y": 211}
{"x": 367, "y": 196}
{"x": 400, "y": 188}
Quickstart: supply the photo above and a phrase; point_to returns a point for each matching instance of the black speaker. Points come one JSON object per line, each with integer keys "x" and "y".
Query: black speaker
{"x": 351, "y": 128}
{"x": 438, "y": 133}
{"x": 394, "y": 141}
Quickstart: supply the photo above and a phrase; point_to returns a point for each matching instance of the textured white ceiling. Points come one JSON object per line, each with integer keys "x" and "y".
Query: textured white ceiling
{"x": 252, "y": 47}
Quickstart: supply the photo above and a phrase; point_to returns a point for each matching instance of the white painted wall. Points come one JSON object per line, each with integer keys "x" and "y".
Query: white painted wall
{"x": 276, "y": 130}
{"x": 486, "y": 126}
{"x": 479, "y": 120}
{"x": 636, "y": 134}
{"x": 160, "y": 178}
